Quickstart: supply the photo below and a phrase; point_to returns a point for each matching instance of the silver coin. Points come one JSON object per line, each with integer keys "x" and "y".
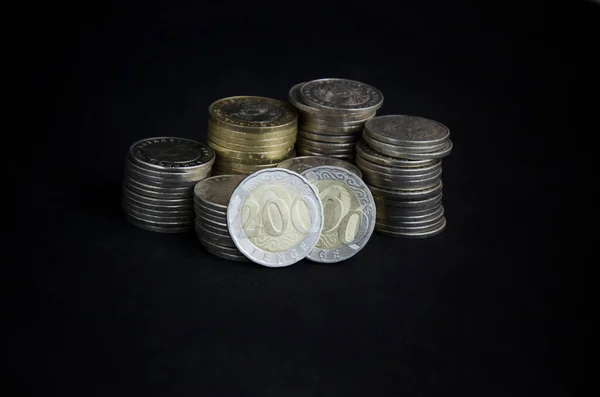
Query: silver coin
{"x": 337, "y": 146}
{"x": 401, "y": 228}
{"x": 212, "y": 226}
{"x": 161, "y": 182}
{"x": 392, "y": 173}
{"x": 218, "y": 213}
{"x": 171, "y": 177}
{"x": 201, "y": 213}
{"x": 314, "y": 150}
{"x": 421, "y": 234}
{"x": 155, "y": 192}
{"x": 349, "y": 213}
{"x": 303, "y": 151}
{"x": 422, "y": 204}
{"x": 158, "y": 227}
{"x": 147, "y": 216}
{"x": 323, "y": 120}
{"x": 214, "y": 238}
{"x": 303, "y": 163}
{"x": 169, "y": 202}
{"x": 394, "y": 183}
{"x": 218, "y": 247}
{"x": 368, "y": 137}
{"x": 403, "y": 130}
{"x": 360, "y": 159}
{"x": 305, "y": 110}
{"x": 215, "y": 192}
{"x": 341, "y": 96}
{"x": 208, "y": 229}
{"x": 227, "y": 255}
{"x": 404, "y": 195}
{"x": 407, "y": 215}
{"x": 429, "y": 220}
{"x": 372, "y": 155}
{"x": 393, "y": 152}
{"x": 328, "y": 138}
{"x": 171, "y": 154}
{"x": 275, "y": 217}
{"x": 329, "y": 129}
{"x": 158, "y": 210}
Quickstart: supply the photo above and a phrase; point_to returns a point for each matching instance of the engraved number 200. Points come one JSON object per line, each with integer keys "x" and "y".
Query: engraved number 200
{"x": 274, "y": 217}
{"x": 339, "y": 217}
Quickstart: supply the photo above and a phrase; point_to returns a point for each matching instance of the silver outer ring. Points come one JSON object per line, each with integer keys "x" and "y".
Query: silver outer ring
{"x": 367, "y": 223}
{"x": 238, "y": 235}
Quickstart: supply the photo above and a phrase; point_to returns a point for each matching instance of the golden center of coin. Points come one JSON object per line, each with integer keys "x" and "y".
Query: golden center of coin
{"x": 341, "y": 211}
{"x": 275, "y": 217}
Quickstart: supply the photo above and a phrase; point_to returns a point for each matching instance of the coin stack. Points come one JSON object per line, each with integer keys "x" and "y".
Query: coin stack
{"x": 160, "y": 174}
{"x": 401, "y": 160}
{"x": 303, "y": 163}
{"x": 332, "y": 113}
{"x": 250, "y": 133}
{"x": 211, "y": 197}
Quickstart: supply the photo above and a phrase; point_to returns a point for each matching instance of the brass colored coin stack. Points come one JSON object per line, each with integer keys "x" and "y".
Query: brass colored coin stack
{"x": 332, "y": 116}
{"x": 250, "y": 133}
{"x": 160, "y": 174}
{"x": 401, "y": 161}
{"x": 211, "y": 197}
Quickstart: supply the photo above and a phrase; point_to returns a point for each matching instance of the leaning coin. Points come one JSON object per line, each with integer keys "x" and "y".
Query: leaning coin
{"x": 275, "y": 217}
{"x": 303, "y": 163}
{"x": 349, "y": 213}
{"x": 171, "y": 154}
{"x": 403, "y": 130}
{"x": 341, "y": 95}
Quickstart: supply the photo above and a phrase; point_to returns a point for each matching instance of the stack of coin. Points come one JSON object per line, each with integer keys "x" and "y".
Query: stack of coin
{"x": 211, "y": 197}
{"x": 332, "y": 113}
{"x": 250, "y": 133}
{"x": 303, "y": 163}
{"x": 401, "y": 160}
{"x": 160, "y": 174}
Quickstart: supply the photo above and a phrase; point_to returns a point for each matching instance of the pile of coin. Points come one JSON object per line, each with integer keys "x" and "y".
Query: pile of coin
{"x": 160, "y": 174}
{"x": 250, "y": 133}
{"x": 211, "y": 197}
{"x": 332, "y": 113}
{"x": 401, "y": 160}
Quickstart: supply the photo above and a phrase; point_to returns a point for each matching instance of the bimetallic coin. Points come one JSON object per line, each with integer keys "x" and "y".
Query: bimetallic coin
{"x": 403, "y": 130}
{"x": 275, "y": 217}
{"x": 411, "y": 155}
{"x": 348, "y": 210}
{"x": 215, "y": 192}
{"x": 328, "y": 138}
{"x": 258, "y": 113}
{"x": 341, "y": 95}
{"x": 372, "y": 155}
{"x": 171, "y": 154}
{"x": 303, "y": 163}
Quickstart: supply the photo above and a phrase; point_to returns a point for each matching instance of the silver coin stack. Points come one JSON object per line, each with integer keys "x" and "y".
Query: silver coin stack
{"x": 332, "y": 114}
{"x": 211, "y": 197}
{"x": 160, "y": 174}
{"x": 401, "y": 160}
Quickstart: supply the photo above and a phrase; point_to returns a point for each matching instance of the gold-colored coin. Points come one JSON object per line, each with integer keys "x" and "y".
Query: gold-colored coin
{"x": 253, "y": 113}
{"x": 251, "y": 133}
{"x": 249, "y": 156}
{"x": 248, "y": 148}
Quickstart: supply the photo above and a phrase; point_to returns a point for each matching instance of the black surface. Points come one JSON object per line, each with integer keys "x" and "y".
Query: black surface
{"x": 101, "y": 308}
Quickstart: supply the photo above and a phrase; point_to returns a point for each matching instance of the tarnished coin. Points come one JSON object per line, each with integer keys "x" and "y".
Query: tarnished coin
{"x": 304, "y": 151}
{"x": 323, "y": 128}
{"x": 252, "y": 148}
{"x": 183, "y": 202}
{"x": 275, "y": 217}
{"x": 368, "y": 137}
{"x": 403, "y": 130}
{"x": 364, "y": 150}
{"x": 406, "y": 171}
{"x": 150, "y": 191}
{"x": 341, "y": 96}
{"x": 430, "y": 232}
{"x": 258, "y": 113}
{"x": 328, "y": 138}
{"x": 303, "y": 163}
{"x": 407, "y": 215}
{"x": 159, "y": 181}
{"x": 348, "y": 210}
{"x": 158, "y": 209}
{"x": 399, "y": 152}
{"x": 305, "y": 110}
{"x": 332, "y": 146}
{"x": 171, "y": 154}
{"x": 215, "y": 192}
{"x": 160, "y": 227}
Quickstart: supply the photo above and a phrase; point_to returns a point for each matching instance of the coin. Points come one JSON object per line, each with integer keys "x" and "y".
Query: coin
{"x": 254, "y": 139}
{"x": 275, "y": 217}
{"x": 417, "y": 234}
{"x": 248, "y": 148}
{"x": 327, "y": 121}
{"x": 158, "y": 181}
{"x": 303, "y": 163}
{"x": 158, "y": 209}
{"x": 223, "y": 251}
{"x": 215, "y": 192}
{"x": 365, "y": 151}
{"x": 324, "y": 128}
{"x": 404, "y": 154}
{"x": 171, "y": 154}
{"x": 326, "y": 145}
{"x": 303, "y": 151}
{"x": 258, "y": 113}
{"x": 328, "y": 138}
{"x": 296, "y": 100}
{"x": 403, "y": 130}
{"x": 341, "y": 95}
{"x": 157, "y": 192}
{"x": 169, "y": 202}
{"x": 349, "y": 213}
{"x": 158, "y": 226}
{"x": 421, "y": 204}
{"x": 408, "y": 171}
{"x": 406, "y": 149}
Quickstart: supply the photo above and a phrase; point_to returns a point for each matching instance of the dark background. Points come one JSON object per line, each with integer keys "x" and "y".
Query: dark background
{"x": 100, "y": 308}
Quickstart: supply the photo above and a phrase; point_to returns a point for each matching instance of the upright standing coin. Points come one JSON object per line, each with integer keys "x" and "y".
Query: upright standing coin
{"x": 303, "y": 163}
{"x": 275, "y": 217}
{"x": 341, "y": 96}
{"x": 348, "y": 211}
